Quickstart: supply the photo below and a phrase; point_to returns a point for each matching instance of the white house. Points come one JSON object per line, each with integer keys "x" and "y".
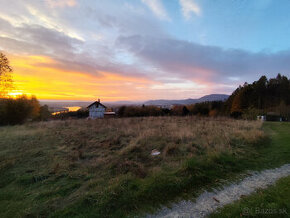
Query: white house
{"x": 96, "y": 110}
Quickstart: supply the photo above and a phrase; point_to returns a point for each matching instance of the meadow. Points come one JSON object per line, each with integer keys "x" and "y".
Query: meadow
{"x": 104, "y": 167}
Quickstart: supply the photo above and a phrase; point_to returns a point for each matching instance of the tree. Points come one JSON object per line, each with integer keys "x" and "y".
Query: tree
{"x": 19, "y": 110}
{"x": 121, "y": 111}
{"x": 185, "y": 111}
{"x": 260, "y": 91}
{"x": 5, "y": 76}
{"x": 177, "y": 110}
{"x": 261, "y": 96}
{"x": 35, "y": 108}
{"x": 44, "y": 113}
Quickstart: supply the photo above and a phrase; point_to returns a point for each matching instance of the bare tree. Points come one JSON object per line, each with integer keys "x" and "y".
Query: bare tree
{"x": 6, "y": 83}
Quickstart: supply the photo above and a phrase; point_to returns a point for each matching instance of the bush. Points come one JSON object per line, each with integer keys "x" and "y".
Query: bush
{"x": 137, "y": 111}
{"x": 44, "y": 113}
{"x": 251, "y": 113}
{"x": 19, "y": 110}
{"x": 81, "y": 113}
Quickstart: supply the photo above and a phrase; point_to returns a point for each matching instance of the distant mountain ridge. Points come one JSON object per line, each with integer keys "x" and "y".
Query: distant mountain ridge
{"x": 212, "y": 97}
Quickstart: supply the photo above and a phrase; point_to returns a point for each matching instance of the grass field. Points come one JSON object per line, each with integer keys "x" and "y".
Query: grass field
{"x": 105, "y": 168}
{"x": 274, "y": 201}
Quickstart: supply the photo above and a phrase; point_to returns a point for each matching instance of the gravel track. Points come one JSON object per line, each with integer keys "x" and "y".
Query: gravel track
{"x": 208, "y": 202}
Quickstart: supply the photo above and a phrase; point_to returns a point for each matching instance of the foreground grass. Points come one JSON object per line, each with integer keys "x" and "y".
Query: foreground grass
{"x": 278, "y": 151}
{"x": 104, "y": 168}
{"x": 272, "y": 202}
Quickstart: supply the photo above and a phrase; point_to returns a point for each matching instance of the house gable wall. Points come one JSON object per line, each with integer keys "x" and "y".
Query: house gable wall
{"x": 96, "y": 112}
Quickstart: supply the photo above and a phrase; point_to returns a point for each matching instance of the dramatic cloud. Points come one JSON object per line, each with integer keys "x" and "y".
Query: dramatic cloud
{"x": 205, "y": 63}
{"x": 188, "y": 7}
{"x": 118, "y": 49}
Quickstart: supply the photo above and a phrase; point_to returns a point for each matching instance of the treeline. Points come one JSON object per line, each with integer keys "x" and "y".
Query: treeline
{"x": 265, "y": 96}
{"x": 201, "y": 109}
{"x": 140, "y": 111}
{"x": 260, "y": 97}
{"x": 22, "y": 109}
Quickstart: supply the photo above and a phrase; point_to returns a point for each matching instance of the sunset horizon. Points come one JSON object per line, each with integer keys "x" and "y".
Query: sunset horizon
{"x": 141, "y": 50}
{"x": 30, "y": 78}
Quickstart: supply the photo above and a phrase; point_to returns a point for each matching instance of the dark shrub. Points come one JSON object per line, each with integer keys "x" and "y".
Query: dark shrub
{"x": 19, "y": 110}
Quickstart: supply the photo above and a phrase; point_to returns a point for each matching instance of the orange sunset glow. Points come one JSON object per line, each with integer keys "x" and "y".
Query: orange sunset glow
{"x": 47, "y": 82}
{"x": 40, "y": 76}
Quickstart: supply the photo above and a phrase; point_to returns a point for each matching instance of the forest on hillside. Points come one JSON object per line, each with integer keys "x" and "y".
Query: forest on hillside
{"x": 261, "y": 97}
{"x": 248, "y": 101}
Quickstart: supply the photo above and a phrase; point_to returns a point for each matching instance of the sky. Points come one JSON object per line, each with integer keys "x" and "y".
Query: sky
{"x": 142, "y": 49}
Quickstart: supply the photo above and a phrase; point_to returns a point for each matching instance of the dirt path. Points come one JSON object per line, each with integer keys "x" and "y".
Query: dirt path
{"x": 208, "y": 202}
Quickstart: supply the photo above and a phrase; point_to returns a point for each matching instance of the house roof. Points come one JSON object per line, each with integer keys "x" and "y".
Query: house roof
{"x": 97, "y": 103}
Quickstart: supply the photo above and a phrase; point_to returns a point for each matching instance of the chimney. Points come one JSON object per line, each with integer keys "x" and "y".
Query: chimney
{"x": 99, "y": 100}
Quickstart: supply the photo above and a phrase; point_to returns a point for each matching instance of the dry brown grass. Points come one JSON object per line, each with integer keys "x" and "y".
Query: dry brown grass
{"x": 125, "y": 145}
{"x": 62, "y": 162}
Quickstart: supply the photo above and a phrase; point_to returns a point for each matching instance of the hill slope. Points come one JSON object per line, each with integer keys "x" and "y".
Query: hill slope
{"x": 212, "y": 97}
